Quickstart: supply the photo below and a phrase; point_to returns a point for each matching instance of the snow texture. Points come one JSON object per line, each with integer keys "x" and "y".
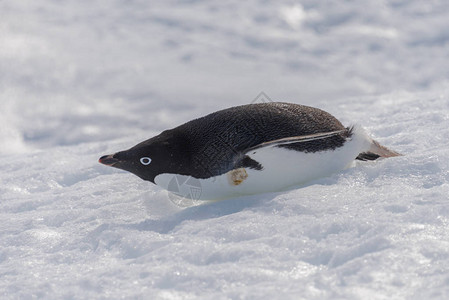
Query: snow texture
{"x": 80, "y": 79}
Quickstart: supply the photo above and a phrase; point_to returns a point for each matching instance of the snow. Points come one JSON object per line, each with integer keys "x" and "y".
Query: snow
{"x": 79, "y": 80}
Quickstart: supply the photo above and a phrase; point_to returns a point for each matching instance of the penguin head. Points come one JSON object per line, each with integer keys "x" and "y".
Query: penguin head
{"x": 150, "y": 158}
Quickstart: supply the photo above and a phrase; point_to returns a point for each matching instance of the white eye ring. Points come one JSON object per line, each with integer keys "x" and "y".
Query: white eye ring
{"x": 145, "y": 161}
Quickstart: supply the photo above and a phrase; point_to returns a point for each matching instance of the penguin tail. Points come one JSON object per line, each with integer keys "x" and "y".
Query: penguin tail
{"x": 376, "y": 151}
{"x": 369, "y": 149}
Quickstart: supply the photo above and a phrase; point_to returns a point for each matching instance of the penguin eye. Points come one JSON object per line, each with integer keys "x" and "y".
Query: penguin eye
{"x": 145, "y": 161}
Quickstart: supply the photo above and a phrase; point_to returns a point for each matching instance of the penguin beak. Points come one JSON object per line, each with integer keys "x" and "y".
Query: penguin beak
{"x": 108, "y": 160}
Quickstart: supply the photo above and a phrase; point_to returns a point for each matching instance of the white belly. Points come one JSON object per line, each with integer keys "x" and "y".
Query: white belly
{"x": 282, "y": 168}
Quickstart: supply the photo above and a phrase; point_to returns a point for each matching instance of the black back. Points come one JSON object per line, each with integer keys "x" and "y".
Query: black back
{"x": 216, "y": 143}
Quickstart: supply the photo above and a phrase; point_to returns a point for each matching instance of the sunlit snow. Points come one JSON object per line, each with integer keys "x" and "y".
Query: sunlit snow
{"x": 80, "y": 79}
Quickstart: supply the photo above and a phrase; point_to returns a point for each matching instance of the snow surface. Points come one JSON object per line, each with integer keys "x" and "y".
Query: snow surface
{"x": 80, "y": 79}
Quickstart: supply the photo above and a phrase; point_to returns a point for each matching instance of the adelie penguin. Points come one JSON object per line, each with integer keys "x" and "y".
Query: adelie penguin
{"x": 249, "y": 149}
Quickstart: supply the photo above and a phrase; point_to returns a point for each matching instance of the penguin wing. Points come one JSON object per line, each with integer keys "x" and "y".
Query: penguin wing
{"x": 247, "y": 159}
{"x": 295, "y": 139}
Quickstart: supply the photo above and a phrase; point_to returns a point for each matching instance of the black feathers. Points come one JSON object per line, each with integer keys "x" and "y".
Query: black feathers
{"x": 220, "y": 142}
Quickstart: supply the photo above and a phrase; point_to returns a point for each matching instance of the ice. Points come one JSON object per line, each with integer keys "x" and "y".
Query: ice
{"x": 79, "y": 80}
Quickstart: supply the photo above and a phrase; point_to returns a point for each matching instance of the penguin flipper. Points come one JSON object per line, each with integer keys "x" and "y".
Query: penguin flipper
{"x": 248, "y": 162}
{"x": 295, "y": 139}
{"x": 247, "y": 156}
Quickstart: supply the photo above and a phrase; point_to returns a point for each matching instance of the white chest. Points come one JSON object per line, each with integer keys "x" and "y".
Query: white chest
{"x": 282, "y": 168}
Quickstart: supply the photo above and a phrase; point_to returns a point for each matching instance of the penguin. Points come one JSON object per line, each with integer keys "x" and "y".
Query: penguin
{"x": 249, "y": 149}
